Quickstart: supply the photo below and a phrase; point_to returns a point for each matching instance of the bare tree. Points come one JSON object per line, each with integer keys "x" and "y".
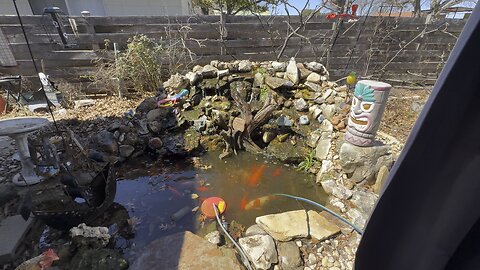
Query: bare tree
{"x": 439, "y": 6}
{"x": 233, "y": 7}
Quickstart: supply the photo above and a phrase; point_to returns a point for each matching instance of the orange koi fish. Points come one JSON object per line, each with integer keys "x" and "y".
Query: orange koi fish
{"x": 258, "y": 202}
{"x": 257, "y": 173}
{"x": 202, "y": 188}
{"x": 174, "y": 191}
{"x": 277, "y": 172}
{"x": 243, "y": 201}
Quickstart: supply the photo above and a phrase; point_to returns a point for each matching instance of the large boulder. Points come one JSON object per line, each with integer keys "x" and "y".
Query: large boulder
{"x": 191, "y": 140}
{"x": 289, "y": 256}
{"x": 364, "y": 200}
{"x": 382, "y": 176}
{"x": 209, "y": 71}
{"x": 182, "y": 144}
{"x": 193, "y": 77}
{"x": 102, "y": 259}
{"x": 303, "y": 72}
{"x": 285, "y": 226}
{"x": 209, "y": 84}
{"x": 245, "y": 66}
{"x": 313, "y": 86}
{"x": 106, "y": 142}
{"x": 313, "y": 137}
{"x": 317, "y": 67}
{"x": 329, "y": 111}
{"x": 314, "y": 78}
{"x": 146, "y": 105}
{"x": 295, "y": 224}
{"x": 277, "y": 83}
{"x": 357, "y": 217}
{"x": 255, "y": 230}
{"x": 86, "y": 236}
{"x": 185, "y": 251}
{"x": 292, "y": 72}
{"x": 363, "y": 163}
{"x": 323, "y": 146}
{"x": 176, "y": 82}
{"x": 279, "y": 66}
{"x": 287, "y": 152}
{"x": 160, "y": 119}
{"x": 320, "y": 227}
{"x": 260, "y": 250}
{"x": 258, "y": 80}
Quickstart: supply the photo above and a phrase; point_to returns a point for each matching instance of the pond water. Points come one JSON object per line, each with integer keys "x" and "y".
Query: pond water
{"x": 158, "y": 198}
{"x": 153, "y": 193}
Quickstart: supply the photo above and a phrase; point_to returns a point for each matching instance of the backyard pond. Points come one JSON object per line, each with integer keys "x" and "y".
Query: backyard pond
{"x": 159, "y": 198}
{"x": 163, "y": 198}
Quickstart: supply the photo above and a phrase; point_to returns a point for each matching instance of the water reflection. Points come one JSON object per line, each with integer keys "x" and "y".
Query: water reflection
{"x": 153, "y": 194}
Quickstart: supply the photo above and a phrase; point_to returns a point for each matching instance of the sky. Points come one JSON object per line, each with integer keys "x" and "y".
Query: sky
{"x": 297, "y": 3}
{"x": 300, "y": 4}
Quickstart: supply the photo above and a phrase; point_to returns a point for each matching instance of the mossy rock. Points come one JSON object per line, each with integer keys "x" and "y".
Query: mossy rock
{"x": 287, "y": 152}
{"x": 98, "y": 259}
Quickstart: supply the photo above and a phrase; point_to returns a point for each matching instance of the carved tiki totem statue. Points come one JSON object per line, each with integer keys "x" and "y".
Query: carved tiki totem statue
{"x": 368, "y": 105}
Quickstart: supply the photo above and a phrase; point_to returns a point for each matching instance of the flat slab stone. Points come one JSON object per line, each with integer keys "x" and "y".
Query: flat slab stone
{"x": 185, "y": 251}
{"x": 320, "y": 227}
{"x": 285, "y": 226}
{"x": 293, "y": 224}
{"x": 12, "y": 231}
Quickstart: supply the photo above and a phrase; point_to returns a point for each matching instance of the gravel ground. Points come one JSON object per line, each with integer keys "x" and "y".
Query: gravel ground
{"x": 401, "y": 113}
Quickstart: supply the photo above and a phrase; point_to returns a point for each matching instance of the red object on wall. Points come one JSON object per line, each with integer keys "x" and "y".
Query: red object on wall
{"x": 354, "y": 9}
{"x": 331, "y": 16}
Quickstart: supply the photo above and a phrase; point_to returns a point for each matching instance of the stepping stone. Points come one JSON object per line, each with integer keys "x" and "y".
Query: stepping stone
{"x": 185, "y": 251}
{"x": 12, "y": 232}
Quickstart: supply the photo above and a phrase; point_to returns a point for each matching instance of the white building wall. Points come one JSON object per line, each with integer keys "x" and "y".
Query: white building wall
{"x": 75, "y": 7}
{"x": 7, "y": 7}
{"x": 110, "y": 7}
{"x": 146, "y": 7}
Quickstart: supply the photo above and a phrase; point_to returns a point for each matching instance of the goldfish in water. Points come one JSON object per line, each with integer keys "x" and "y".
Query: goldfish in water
{"x": 257, "y": 173}
{"x": 258, "y": 202}
{"x": 277, "y": 172}
{"x": 243, "y": 201}
{"x": 202, "y": 189}
{"x": 174, "y": 191}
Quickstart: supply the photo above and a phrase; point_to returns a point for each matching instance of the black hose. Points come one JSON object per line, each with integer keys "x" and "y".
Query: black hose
{"x": 35, "y": 65}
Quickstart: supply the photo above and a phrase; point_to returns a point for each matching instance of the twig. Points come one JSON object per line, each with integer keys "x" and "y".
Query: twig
{"x": 422, "y": 33}
{"x": 302, "y": 23}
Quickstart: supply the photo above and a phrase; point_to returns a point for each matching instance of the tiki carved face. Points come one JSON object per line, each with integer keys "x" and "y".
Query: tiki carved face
{"x": 367, "y": 109}
{"x": 363, "y": 108}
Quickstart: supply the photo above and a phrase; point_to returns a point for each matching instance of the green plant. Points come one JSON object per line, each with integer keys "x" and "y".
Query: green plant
{"x": 70, "y": 93}
{"x": 145, "y": 62}
{"x": 140, "y": 64}
{"x": 307, "y": 163}
{"x": 264, "y": 92}
{"x": 261, "y": 70}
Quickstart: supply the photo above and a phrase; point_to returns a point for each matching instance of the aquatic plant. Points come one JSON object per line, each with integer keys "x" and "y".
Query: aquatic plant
{"x": 307, "y": 163}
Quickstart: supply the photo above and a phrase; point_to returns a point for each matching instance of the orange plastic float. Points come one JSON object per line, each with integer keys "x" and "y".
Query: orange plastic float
{"x": 207, "y": 206}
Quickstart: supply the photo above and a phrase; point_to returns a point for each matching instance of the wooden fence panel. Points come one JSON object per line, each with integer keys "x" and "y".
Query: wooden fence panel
{"x": 385, "y": 47}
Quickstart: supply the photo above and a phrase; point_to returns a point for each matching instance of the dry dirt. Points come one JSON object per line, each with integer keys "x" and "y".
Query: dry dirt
{"x": 400, "y": 115}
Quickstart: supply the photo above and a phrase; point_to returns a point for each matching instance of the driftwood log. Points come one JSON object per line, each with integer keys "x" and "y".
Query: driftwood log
{"x": 240, "y": 129}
